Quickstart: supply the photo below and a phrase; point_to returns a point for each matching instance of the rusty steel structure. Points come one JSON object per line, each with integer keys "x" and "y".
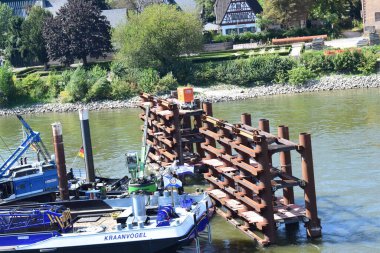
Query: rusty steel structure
{"x": 249, "y": 191}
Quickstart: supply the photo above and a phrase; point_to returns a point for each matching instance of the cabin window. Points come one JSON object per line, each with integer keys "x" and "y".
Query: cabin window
{"x": 377, "y": 16}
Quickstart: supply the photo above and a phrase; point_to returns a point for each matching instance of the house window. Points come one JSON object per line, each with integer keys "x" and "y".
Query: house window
{"x": 377, "y": 16}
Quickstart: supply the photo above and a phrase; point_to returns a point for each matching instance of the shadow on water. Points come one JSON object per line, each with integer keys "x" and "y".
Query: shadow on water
{"x": 345, "y": 224}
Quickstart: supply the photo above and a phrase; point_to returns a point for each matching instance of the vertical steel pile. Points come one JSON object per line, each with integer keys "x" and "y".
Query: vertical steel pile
{"x": 240, "y": 171}
{"x": 60, "y": 161}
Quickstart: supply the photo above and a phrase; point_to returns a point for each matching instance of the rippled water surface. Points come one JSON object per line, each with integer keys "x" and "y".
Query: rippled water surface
{"x": 345, "y": 128}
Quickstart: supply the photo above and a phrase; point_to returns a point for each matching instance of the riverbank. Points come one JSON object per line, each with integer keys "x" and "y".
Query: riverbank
{"x": 217, "y": 93}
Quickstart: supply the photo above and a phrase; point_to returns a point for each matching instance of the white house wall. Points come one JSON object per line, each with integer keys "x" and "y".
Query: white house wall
{"x": 245, "y": 27}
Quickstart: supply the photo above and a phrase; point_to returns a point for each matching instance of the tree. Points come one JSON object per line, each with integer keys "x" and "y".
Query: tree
{"x": 139, "y": 5}
{"x": 13, "y": 42}
{"x": 33, "y": 45}
{"x": 5, "y": 21}
{"x": 337, "y": 12}
{"x": 208, "y": 14}
{"x": 287, "y": 11}
{"x": 102, "y": 4}
{"x": 6, "y": 84}
{"x": 157, "y": 37}
{"x": 76, "y": 32}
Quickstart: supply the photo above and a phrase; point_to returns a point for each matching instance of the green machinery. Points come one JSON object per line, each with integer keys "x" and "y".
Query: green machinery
{"x": 137, "y": 165}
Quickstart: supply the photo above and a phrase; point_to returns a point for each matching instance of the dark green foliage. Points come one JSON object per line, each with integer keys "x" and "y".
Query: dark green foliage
{"x": 349, "y": 61}
{"x": 167, "y": 83}
{"x": 13, "y": 43}
{"x": 86, "y": 33}
{"x": 122, "y": 88}
{"x": 55, "y": 84}
{"x": 268, "y": 35}
{"x": 33, "y": 45}
{"x": 317, "y": 62}
{"x": 6, "y": 85}
{"x": 78, "y": 85}
{"x": 286, "y": 12}
{"x": 5, "y": 21}
{"x": 33, "y": 87}
{"x": 208, "y": 15}
{"x": 101, "y": 89}
{"x": 300, "y": 75}
{"x": 260, "y": 69}
{"x": 157, "y": 37}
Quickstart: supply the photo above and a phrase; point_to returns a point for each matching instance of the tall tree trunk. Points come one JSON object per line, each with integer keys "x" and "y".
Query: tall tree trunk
{"x": 84, "y": 60}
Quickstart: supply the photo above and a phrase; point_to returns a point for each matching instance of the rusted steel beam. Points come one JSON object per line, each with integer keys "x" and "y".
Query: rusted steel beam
{"x": 250, "y": 202}
{"x": 280, "y": 148}
{"x": 211, "y": 149}
{"x": 266, "y": 195}
{"x": 238, "y": 179}
{"x": 286, "y": 165}
{"x": 313, "y": 226}
{"x": 247, "y": 167}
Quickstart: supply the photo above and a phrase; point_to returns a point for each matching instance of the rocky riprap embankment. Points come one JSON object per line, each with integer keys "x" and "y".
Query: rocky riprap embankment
{"x": 222, "y": 93}
{"x": 70, "y": 107}
{"x": 218, "y": 93}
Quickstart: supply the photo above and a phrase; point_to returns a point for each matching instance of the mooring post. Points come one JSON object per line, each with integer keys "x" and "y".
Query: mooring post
{"x": 245, "y": 119}
{"x": 60, "y": 161}
{"x": 313, "y": 226}
{"x": 266, "y": 194}
{"x": 87, "y": 147}
{"x": 286, "y": 165}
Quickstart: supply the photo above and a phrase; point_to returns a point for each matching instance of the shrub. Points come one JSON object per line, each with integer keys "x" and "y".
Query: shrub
{"x": 317, "y": 62}
{"x": 33, "y": 86}
{"x": 257, "y": 69}
{"x": 64, "y": 97}
{"x": 167, "y": 83}
{"x": 96, "y": 73}
{"x": 7, "y": 86}
{"x": 300, "y": 75}
{"x": 121, "y": 89}
{"x": 78, "y": 85}
{"x": 54, "y": 82}
{"x": 65, "y": 77}
{"x": 118, "y": 68}
{"x": 147, "y": 80}
{"x": 347, "y": 62}
{"x": 101, "y": 89}
{"x": 368, "y": 64}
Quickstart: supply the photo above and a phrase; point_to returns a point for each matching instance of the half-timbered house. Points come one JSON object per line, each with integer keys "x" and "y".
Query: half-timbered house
{"x": 237, "y": 16}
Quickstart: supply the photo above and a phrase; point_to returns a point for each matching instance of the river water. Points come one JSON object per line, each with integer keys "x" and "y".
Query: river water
{"x": 345, "y": 128}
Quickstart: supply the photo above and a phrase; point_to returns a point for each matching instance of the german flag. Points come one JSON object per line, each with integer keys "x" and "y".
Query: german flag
{"x": 81, "y": 152}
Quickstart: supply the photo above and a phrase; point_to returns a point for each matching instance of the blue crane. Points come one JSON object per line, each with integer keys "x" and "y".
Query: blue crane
{"x": 32, "y": 138}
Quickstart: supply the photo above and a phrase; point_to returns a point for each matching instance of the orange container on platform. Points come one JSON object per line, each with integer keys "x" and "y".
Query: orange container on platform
{"x": 185, "y": 94}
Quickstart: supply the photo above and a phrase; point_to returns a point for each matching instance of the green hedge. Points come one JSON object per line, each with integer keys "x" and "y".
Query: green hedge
{"x": 237, "y": 54}
{"x": 351, "y": 61}
{"x": 260, "y": 69}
